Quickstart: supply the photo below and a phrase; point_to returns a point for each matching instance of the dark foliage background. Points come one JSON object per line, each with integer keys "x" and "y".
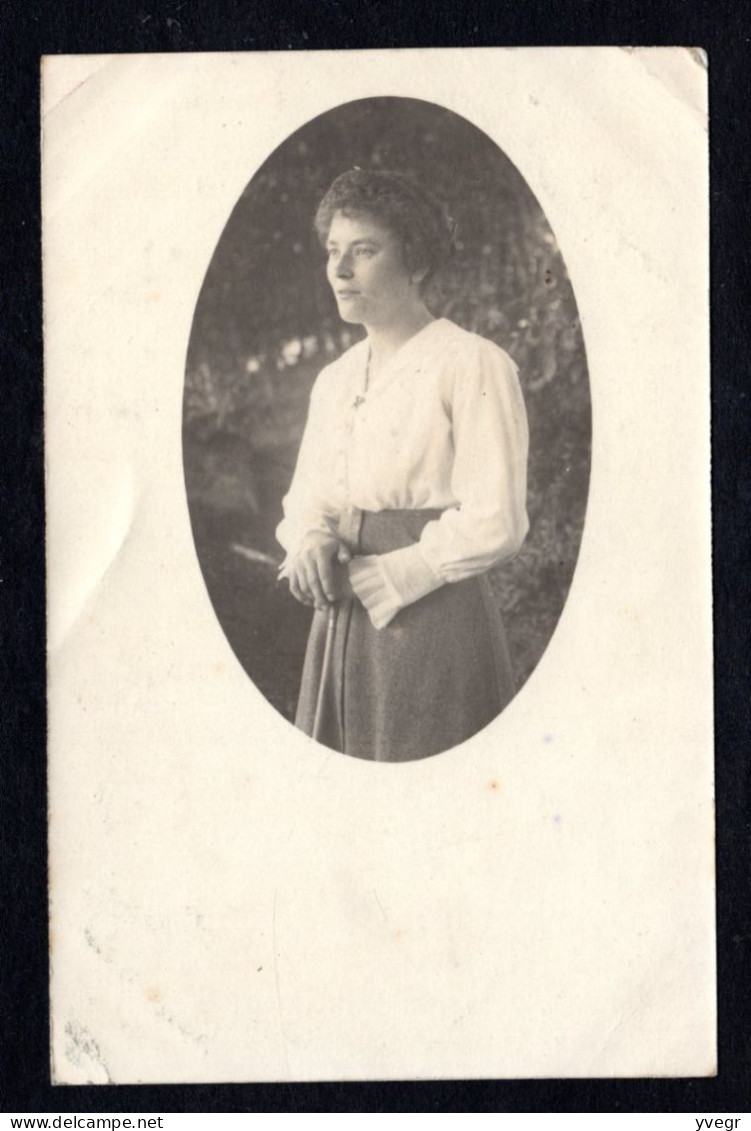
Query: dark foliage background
{"x": 266, "y": 323}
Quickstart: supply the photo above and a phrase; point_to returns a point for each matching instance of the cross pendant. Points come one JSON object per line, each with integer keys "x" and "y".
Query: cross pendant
{"x": 358, "y": 401}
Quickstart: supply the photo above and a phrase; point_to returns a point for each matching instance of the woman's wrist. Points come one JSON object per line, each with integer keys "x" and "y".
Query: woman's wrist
{"x": 314, "y": 540}
{"x": 386, "y": 583}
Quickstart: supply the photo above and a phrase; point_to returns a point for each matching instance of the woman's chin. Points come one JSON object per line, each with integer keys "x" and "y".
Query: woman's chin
{"x": 349, "y": 313}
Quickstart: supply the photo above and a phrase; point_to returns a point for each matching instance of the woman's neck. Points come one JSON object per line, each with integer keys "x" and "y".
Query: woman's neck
{"x": 384, "y": 341}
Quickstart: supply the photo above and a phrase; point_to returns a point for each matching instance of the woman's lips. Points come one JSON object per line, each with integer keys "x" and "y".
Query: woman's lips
{"x": 347, "y": 294}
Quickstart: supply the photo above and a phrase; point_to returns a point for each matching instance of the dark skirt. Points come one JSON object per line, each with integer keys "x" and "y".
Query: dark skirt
{"x": 433, "y": 677}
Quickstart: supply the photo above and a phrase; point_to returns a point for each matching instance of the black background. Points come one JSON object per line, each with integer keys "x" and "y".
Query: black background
{"x": 31, "y": 30}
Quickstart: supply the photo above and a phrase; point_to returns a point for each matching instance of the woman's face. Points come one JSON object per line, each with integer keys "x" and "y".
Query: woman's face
{"x": 367, "y": 272}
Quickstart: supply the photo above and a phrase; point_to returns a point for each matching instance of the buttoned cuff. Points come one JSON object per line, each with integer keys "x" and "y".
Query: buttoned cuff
{"x": 386, "y": 583}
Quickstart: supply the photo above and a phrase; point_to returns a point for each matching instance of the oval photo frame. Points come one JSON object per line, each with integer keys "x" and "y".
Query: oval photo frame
{"x": 266, "y": 323}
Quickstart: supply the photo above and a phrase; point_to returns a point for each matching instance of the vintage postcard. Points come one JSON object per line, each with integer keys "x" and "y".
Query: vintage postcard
{"x": 379, "y": 595}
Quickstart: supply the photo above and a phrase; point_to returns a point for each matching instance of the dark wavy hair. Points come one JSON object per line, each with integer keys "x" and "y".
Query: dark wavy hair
{"x": 407, "y": 209}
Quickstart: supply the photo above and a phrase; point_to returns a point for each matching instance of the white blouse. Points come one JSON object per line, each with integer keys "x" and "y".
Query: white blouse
{"x": 442, "y": 426}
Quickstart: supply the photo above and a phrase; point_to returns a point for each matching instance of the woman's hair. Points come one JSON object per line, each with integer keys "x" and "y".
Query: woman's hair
{"x": 407, "y": 209}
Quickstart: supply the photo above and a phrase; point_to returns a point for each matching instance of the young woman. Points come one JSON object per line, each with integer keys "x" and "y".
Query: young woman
{"x": 410, "y": 485}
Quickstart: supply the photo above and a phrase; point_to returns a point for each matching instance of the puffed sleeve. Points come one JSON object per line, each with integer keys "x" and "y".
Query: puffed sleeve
{"x": 489, "y": 480}
{"x": 309, "y": 507}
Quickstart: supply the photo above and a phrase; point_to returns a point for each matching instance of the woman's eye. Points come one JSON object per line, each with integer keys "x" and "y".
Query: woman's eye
{"x": 333, "y": 253}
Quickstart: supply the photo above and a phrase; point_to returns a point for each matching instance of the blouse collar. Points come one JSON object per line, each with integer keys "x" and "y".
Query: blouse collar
{"x": 416, "y": 349}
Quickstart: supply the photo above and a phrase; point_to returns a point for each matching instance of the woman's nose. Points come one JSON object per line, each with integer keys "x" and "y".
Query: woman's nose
{"x": 344, "y": 267}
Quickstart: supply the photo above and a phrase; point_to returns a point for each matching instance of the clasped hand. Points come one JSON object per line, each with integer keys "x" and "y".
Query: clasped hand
{"x": 318, "y": 573}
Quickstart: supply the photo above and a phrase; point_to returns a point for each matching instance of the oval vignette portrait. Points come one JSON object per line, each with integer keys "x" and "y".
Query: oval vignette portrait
{"x": 387, "y": 430}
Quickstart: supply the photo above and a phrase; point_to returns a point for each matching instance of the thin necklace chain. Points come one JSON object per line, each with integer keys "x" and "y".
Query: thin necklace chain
{"x": 360, "y": 398}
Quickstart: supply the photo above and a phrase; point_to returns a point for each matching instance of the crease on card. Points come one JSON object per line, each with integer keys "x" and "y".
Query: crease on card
{"x": 82, "y": 1055}
{"x": 699, "y": 56}
{"x": 641, "y": 1011}
{"x": 72, "y": 606}
{"x": 681, "y": 72}
{"x": 112, "y": 92}
{"x": 61, "y": 83}
{"x": 121, "y": 997}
